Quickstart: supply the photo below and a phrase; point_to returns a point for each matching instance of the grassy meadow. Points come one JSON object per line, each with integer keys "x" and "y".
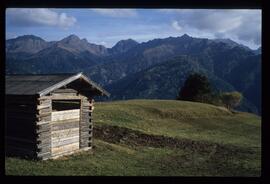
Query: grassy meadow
{"x": 160, "y": 138}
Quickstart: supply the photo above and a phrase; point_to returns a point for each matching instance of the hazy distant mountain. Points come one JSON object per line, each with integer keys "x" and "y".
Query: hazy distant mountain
{"x": 258, "y": 51}
{"x": 246, "y": 77}
{"x": 74, "y": 44}
{"x": 123, "y": 46}
{"x": 144, "y": 70}
{"x": 163, "y": 80}
{"x": 231, "y": 43}
{"x": 70, "y": 54}
{"x": 33, "y": 44}
{"x": 214, "y": 56}
{"x": 220, "y": 59}
{"x": 26, "y": 44}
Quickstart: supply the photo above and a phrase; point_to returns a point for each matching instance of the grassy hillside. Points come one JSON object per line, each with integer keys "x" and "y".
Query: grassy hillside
{"x": 161, "y": 137}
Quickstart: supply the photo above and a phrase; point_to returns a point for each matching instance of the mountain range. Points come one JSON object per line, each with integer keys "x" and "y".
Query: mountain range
{"x": 152, "y": 69}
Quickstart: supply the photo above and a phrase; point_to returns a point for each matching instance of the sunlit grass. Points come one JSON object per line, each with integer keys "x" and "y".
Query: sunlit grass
{"x": 178, "y": 119}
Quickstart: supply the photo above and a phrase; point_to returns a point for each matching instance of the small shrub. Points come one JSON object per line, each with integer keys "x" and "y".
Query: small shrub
{"x": 231, "y": 99}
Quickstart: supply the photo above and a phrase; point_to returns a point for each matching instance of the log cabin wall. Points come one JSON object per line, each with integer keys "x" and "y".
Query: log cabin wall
{"x": 70, "y": 128}
{"x": 33, "y": 129}
{"x": 43, "y": 127}
{"x": 20, "y": 127}
{"x": 86, "y": 125}
{"x": 31, "y": 123}
{"x": 65, "y": 132}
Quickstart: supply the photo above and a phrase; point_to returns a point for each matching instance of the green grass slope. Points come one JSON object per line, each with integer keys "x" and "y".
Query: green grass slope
{"x": 209, "y": 141}
{"x": 182, "y": 119}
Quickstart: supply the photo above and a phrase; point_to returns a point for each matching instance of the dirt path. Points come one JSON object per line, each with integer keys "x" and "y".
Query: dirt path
{"x": 115, "y": 134}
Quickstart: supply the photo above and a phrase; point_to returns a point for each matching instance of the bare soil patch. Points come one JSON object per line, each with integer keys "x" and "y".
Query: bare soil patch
{"x": 116, "y": 134}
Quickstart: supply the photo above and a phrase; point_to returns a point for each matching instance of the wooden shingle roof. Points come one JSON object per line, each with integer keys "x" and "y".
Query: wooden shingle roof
{"x": 43, "y": 84}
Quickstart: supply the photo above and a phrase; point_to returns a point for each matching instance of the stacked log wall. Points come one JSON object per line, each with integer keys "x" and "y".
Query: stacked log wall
{"x": 29, "y": 123}
{"x": 43, "y": 127}
{"x": 20, "y": 125}
{"x": 65, "y": 132}
{"x": 86, "y": 124}
{"x": 65, "y": 142}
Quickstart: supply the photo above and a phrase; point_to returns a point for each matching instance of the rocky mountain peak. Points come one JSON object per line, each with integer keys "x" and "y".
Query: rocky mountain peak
{"x": 26, "y": 44}
{"x": 185, "y": 36}
{"x": 230, "y": 43}
{"x": 123, "y": 46}
{"x": 71, "y": 39}
{"x": 28, "y": 37}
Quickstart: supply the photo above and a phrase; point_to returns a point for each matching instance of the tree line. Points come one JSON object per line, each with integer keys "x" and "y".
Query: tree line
{"x": 197, "y": 88}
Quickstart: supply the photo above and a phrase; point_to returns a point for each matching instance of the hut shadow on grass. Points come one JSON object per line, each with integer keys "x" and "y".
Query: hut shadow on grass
{"x": 23, "y": 157}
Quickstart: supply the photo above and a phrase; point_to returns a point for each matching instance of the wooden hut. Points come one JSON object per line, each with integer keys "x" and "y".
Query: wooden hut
{"x": 48, "y": 116}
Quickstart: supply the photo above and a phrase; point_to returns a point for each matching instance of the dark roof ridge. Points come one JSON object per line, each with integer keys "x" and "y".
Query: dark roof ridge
{"x": 31, "y": 74}
{"x": 49, "y": 87}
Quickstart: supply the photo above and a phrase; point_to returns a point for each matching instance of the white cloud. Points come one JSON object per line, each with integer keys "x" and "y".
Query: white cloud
{"x": 10, "y": 35}
{"x": 103, "y": 43}
{"x": 243, "y": 25}
{"x": 116, "y": 12}
{"x": 213, "y": 20}
{"x": 24, "y": 17}
{"x": 169, "y": 10}
{"x": 176, "y": 26}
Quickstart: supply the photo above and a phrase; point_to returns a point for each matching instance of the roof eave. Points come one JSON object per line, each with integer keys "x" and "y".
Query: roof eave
{"x": 103, "y": 91}
{"x": 69, "y": 80}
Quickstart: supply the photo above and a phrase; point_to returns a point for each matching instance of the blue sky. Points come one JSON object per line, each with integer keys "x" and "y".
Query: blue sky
{"x": 108, "y": 26}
